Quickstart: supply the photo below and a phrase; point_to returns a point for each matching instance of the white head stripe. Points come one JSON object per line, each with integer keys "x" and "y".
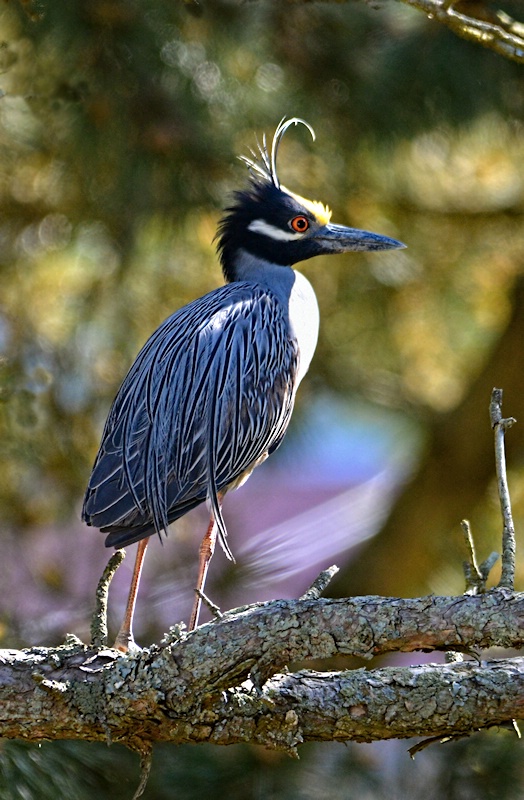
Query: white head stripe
{"x": 261, "y": 226}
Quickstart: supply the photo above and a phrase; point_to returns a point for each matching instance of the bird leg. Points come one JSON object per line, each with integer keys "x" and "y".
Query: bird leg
{"x": 207, "y": 548}
{"x": 124, "y": 640}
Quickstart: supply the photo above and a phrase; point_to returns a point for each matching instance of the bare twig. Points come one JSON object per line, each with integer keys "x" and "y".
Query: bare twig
{"x": 500, "y": 425}
{"x": 99, "y": 618}
{"x": 215, "y": 610}
{"x": 493, "y": 29}
{"x": 472, "y": 573}
{"x": 476, "y": 576}
{"x": 488, "y": 563}
{"x": 319, "y": 584}
{"x": 146, "y": 762}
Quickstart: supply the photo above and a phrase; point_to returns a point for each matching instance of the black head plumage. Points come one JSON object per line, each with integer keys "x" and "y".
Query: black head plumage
{"x": 264, "y": 199}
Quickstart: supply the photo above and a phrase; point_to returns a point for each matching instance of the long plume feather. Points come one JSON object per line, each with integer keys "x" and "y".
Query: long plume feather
{"x": 264, "y": 164}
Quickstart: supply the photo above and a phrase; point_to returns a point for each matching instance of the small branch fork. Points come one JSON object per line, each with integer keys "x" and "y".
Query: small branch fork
{"x": 500, "y": 426}
{"x": 477, "y": 575}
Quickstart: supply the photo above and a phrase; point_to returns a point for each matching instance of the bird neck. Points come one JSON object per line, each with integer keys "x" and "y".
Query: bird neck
{"x": 279, "y": 280}
{"x": 296, "y": 295}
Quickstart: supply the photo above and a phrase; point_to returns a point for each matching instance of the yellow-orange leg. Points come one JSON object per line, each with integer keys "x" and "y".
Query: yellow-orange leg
{"x": 124, "y": 640}
{"x": 207, "y": 548}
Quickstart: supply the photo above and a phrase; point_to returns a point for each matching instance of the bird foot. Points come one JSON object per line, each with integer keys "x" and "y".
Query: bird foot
{"x": 126, "y": 643}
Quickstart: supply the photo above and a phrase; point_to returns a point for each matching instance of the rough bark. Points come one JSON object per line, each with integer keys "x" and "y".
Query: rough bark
{"x": 223, "y": 682}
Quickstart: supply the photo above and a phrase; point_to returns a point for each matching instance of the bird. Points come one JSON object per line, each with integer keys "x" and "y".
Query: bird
{"x": 210, "y": 395}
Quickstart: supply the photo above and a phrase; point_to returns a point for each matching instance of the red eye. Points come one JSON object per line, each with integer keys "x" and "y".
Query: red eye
{"x": 299, "y": 224}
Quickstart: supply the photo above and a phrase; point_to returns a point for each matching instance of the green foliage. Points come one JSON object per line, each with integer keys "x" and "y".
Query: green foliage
{"x": 485, "y": 767}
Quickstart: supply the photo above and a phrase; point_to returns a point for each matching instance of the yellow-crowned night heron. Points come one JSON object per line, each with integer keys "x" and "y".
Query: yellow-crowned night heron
{"x": 210, "y": 394}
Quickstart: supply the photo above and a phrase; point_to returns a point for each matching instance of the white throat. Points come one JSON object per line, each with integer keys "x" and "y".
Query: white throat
{"x": 305, "y": 319}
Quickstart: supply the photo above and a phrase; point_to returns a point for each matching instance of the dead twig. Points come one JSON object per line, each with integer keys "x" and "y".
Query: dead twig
{"x": 99, "y": 618}
{"x": 500, "y": 426}
{"x": 476, "y": 575}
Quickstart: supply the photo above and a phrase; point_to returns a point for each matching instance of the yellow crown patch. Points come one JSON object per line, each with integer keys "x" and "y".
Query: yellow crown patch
{"x": 321, "y": 212}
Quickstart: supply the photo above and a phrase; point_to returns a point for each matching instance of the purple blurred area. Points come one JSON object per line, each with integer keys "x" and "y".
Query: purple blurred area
{"x": 326, "y": 491}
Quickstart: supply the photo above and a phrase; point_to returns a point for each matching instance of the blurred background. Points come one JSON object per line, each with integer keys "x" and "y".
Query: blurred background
{"x": 120, "y": 127}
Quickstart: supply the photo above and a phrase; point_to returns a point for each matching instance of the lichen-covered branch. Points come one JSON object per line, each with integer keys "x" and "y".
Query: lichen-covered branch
{"x": 479, "y": 23}
{"x": 402, "y": 702}
{"x": 99, "y": 620}
{"x": 220, "y": 683}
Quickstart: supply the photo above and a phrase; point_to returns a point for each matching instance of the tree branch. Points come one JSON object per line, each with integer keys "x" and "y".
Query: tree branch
{"x": 219, "y": 683}
{"x": 476, "y": 22}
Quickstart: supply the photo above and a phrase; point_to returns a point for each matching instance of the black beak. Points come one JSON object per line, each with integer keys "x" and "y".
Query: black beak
{"x": 339, "y": 239}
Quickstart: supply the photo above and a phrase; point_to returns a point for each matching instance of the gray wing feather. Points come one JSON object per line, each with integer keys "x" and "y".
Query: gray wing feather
{"x": 210, "y": 394}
